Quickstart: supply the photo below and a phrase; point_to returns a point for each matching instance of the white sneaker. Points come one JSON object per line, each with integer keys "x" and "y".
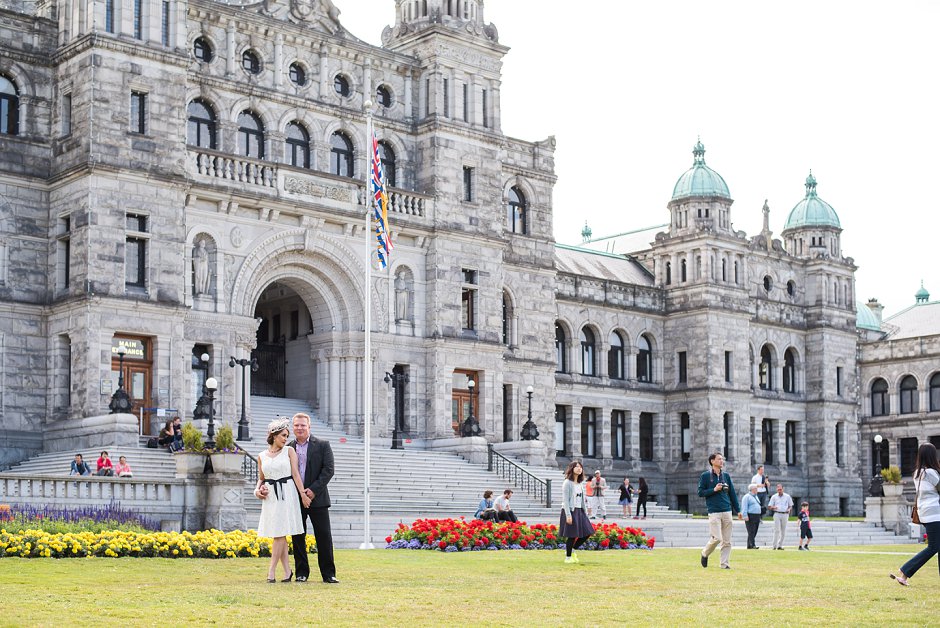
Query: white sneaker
{"x": 569, "y": 559}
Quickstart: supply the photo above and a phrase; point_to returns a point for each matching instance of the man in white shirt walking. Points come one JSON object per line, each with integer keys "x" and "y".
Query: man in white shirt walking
{"x": 599, "y": 484}
{"x": 762, "y": 485}
{"x": 780, "y": 504}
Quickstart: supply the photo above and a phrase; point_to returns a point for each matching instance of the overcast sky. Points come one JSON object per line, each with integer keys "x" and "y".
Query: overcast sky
{"x": 847, "y": 88}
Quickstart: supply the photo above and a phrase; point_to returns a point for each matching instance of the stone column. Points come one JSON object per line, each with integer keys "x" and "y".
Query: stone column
{"x": 603, "y": 444}
{"x": 278, "y": 59}
{"x": 407, "y": 102}
{"x": 368, "y": 93}
{"x": 230, "y": 48}
{"x": 349, "y": 408}
{"x": 632, "y": 420}
{"x": 334, "y": 415}
{"x": 573, "y": 435}
{"x": 659, "y": 437}
{"x": 324, "y": 79}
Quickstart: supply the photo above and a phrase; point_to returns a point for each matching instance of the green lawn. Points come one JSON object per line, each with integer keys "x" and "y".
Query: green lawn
{"x": 844, "y": 586}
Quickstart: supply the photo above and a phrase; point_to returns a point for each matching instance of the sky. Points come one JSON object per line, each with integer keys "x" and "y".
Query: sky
{"x": 846, "y": 88}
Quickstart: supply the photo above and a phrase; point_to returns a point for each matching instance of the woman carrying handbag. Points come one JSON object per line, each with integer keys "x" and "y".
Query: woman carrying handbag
{"x": 926, "y": 510}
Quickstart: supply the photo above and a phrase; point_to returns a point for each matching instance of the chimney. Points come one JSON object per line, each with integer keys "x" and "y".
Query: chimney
{"x": 876, "y": 308}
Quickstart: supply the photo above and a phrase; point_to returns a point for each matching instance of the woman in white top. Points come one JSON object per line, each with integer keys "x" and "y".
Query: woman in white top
{"x": 927, "y": 483}
{"x": 574, "y": 524}
{"x": 278, "y": 487}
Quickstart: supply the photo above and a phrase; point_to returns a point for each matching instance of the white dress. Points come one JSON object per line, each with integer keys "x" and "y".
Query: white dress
{"x": 280, "y": 511}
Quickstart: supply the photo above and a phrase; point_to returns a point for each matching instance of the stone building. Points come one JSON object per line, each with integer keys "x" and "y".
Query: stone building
{"x": 180, "y": 179}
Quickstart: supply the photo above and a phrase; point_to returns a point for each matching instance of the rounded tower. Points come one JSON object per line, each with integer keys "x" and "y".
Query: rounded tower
{"x": 700, "y": 199}
{"x": 813, "y": 228}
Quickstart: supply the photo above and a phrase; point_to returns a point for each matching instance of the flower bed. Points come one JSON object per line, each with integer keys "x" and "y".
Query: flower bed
{"x": 58, "y": 520}
{"x": 459, "y": 535}
{"x": 205, "y": 544}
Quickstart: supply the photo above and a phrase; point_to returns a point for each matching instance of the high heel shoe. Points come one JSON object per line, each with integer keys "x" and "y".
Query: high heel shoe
{"x": 272, "y": 580}
{"x": 289, "y": 577}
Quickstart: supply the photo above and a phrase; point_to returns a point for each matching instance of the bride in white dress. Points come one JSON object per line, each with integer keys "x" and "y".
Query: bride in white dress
{"x": 279, "y": 485}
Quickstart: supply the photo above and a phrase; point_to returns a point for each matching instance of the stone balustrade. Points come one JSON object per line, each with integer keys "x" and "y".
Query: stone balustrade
{"x": 235, "y": 168}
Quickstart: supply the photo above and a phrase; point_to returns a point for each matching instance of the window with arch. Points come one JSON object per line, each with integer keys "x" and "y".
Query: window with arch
{"x": 516, "y": 211}
{"x": 383, "y": 95}
{"x": 879, "y": 398}
{"x": 298, "y": 145}
{"x": 644, "y": 360}
{"x": 507, "y": 320}
{"x": 561, "y": 354}
{"x": 908, "y": 390}
{"x": 724, "y": 270}
{"x": 297, "y": 74}
{"x": 201, "y": 127}
{"x": 202, "y": 50}
{"x": 251, "y": 62}
{"x": 668, "y": 273}
{"x": 615, "y": 363}
{"x": 341, "y": 85}
{"x": 341, "y": 155}
{"x": 250, "y": 135}
{"x": 387, "y": 156}
{"x": 683, "y": 271}
{"x": 9, "y": 107}
{"x": 789, "y": 371}
{"x": 588, "y": 350}
{"x": 935, "y": 392}
{"x": 765, "y": 369}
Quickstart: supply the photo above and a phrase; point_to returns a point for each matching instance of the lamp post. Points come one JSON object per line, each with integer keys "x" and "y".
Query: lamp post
{"x": 243, "y": 432}
{"x": 530, "y": 430}
{"x": 201, "y": 411}
{"x": 876, "y": 486}
{"x": 120, "y": 400}
{"x": 398, "y": 380}
{"x": 470, "y": 427}
{"x": 211, "y": 386}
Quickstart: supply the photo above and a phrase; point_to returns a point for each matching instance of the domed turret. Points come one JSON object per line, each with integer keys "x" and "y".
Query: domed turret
{"x": 700, "y": 199}
{"x": 813, "y": 227}
{"x": 922, "y": 296}
{"x": 812, "y": 211}
{"x": 700, "y": 180}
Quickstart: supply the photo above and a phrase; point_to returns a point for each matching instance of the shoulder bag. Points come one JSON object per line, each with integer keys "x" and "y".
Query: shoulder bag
{"x": 914, "y": 517}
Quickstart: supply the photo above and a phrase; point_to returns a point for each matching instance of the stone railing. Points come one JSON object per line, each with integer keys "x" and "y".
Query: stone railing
{"x": 235, "y": 168}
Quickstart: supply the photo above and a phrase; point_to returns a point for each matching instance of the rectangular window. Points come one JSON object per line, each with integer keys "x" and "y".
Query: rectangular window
{"x": 560, "y": 444}
{"x": 486, "y": 119}
{"x": 67, "y": 114}
{"x": 728, "y": 366}
{"x": 589, "y": 432}
{"x": 276, "y": 328}
{"x": 138, "y": 112}
{"x": 294, "y": 324}
{"x": 427, "y": 97}
{"x": 685, "y": 426}
{"x": 507, "y": 413}
{"x": 726, "y": 424}
{"x": 138, "y": 19}
{"x": 791, "y": 442}
{"x": 646, "y": 436}
{"x": 446, "y": 98}
{"x": 467, "y": 300}
{"x": 683, "y": 375}
{"x": 64, "y": 255}
{"x": 618, "y": 435}
{"x": 466, "y": 103}
{"x": 467, "y": 184}
{"x": 165, "y": 24}
{"x": 767, "y": 440}
{"x": 135, "y": 251}
{"x": 109, "y": 16}
{"x": 840, "y": 430}
{"x": 839, "y": 380}
{"x": 908, "y": 455}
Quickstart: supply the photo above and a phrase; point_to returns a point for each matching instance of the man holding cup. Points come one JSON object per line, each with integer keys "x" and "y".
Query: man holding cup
{"x": 721, "y": 501}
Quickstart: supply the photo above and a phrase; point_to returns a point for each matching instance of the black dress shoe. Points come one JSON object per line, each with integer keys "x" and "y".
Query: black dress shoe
{"x": 301, "y": 578}
{"x": 704, "y": 561}
{"x": 331, "y": 580}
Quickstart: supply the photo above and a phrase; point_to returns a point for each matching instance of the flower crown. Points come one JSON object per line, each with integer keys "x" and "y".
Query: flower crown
{"x": 277, "y": 425}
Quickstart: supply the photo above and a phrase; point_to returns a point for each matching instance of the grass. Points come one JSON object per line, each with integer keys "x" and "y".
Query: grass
{"x": 837, "y": 586}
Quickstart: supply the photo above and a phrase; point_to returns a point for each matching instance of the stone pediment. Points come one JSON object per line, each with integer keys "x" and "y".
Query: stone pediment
{"x": 321, "y": 15}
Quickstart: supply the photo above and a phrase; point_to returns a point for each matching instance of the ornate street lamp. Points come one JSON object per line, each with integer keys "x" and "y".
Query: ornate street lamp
{"x": 211, "y": 386}
{"x": 243, "y": 421}
{"x": 398, "y": 381}
{"x": 530, "y": 430}
{"x": 120, "y": 400}
{"x": 470, "y": 427}
{"x": 876, "y": 486}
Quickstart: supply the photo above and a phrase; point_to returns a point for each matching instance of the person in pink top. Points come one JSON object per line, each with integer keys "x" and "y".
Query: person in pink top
{"x": 122, "y": 469}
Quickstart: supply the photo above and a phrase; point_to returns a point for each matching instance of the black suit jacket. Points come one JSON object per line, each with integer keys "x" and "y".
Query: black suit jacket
{"x": 319, "y": 470}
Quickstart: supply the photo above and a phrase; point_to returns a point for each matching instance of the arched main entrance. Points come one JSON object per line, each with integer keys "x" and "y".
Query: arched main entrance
{"x": 285, "y": 322}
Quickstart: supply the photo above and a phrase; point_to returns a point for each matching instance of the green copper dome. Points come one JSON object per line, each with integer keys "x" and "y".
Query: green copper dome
{"x": 812, "y": 211}
{"x": 700, "y": 180}
{"x": 865, "y": 318}
{"x": 922, "y": 296}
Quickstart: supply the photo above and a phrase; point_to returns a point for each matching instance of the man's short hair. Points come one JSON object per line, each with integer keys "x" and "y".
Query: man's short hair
{"x": 752, "y": 486}
{"x": 713, "y": 456}
{"x": 759, "y": 467}
{"x": 597, "y": 472}
{"x": 301, "y": 415}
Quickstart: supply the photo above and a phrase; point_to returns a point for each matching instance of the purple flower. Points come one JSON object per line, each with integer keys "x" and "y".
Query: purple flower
{"x": 450, "y": 548}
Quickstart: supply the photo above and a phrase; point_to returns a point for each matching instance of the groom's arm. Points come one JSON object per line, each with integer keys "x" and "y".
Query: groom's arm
{"x": 326, "y": 470}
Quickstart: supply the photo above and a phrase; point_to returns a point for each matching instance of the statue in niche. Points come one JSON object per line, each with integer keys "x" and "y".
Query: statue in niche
{"x": 201, "y": 269}
{"x": 402, "y": 294}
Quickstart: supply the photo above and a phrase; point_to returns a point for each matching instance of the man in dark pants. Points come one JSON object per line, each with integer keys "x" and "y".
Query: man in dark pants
{"x": 315, "y": 462}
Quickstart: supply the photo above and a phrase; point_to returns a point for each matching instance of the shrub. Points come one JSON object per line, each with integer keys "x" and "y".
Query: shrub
{"x": 192, "y": 438}
{"x": 225, "y": 440}
{"x": 891, "y": 475}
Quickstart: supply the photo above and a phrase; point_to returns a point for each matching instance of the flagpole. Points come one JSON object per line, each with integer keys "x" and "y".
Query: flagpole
{"x": 367, "y": 359}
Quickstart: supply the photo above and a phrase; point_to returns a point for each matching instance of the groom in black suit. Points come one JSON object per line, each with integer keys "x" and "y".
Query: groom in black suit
{"x": 315, "y": 462}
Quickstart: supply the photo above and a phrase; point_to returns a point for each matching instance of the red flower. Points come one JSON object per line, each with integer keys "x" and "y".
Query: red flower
{"x": 605, "y": 543}
{"x": 651, "y": 542}
{"x": 388, "y": 539}
{"x": 442, "y": 544}
{"x": 623, "y": 545}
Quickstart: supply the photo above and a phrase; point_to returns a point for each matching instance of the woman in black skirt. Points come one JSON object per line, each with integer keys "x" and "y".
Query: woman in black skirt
{"x": 574, "y": 523}
{"x": 641, "y": 498}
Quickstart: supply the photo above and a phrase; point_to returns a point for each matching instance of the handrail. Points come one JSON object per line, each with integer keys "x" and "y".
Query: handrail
{"x": 249, "y": 467}
{"x": 519, "y": 476}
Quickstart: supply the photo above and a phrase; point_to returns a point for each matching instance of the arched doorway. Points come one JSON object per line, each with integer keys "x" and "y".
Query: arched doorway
{"x": 285, "y": 322}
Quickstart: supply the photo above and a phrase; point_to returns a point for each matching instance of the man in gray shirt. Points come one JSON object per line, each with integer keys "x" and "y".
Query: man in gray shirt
{"x": 780, "y": 504}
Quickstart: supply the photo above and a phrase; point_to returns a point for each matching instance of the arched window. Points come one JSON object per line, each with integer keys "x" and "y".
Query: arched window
{"x": 384, "y": 96}
{"x": 250, "y": 135}
{"x": 909, "y": 395}
{"x": 341, "y": 155}
{"x": 387, "y": 155}
{"x": 202, "y": 50}
{"x": 251, "y": 63}
{"x": 644, "y": 360}
{"x": 200, "y": 131}
{"x": 507, "y": 320}
{"x": 615, "y": 364}
{"x": 935, "y": 392}
{"x": 9, "y": 107}
{"x": 341, "y": 85}
{"x": 668, "y": 273}
{"x": 298, "y": 145}
{"x": 683, "y": 271}
{"x": 765, "y": 369}
{"x": 561, "y": 353}
{"x": 879, "y": 398}
{"x": 789, "y": 371}
{"x": 297, "y": 74}
{"x": 516, "y": 211}
{"x": 587, "y": 352}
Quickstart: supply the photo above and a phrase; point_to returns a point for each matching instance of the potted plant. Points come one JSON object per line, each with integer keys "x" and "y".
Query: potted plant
{"x": 227, "y": 457}
{"x": 192, "y": 458}
{"x": 892, "y": 481}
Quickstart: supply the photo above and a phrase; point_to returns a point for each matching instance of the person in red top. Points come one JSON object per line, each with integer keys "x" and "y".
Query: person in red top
{"x": 105, "y": 466}
{"x": 589, "y": 498}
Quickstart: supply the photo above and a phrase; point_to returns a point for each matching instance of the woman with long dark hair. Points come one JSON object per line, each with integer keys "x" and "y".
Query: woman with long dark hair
{"x": 574, "y": 523}
{"x": 927, "y": 483}
{"x": 642, "y": 494}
